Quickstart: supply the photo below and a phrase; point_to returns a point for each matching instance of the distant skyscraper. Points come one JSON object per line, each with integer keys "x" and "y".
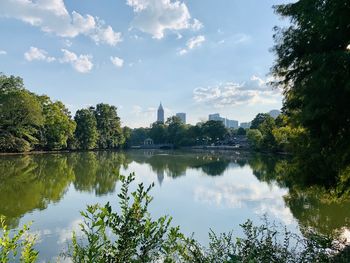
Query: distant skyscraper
{"x": 182, "y": 117}
{"x": 216, "y": 117}
{"x": 227, "y": 122}
{"x": 245, "y": 125}
{"x": 160, "y": 114}
{"x": 231, "y": 124}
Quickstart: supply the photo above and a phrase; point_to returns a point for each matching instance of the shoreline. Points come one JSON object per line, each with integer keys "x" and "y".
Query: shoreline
{"x": 190, "y": 148}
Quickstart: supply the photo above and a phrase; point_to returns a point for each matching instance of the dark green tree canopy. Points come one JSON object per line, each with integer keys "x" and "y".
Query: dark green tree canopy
{"x": 86, "y": 132}
{"x": 313, "y": 69}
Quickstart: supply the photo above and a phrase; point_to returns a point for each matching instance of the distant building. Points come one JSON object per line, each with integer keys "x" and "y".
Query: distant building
{"x": 231, "y": 124}
{"x": 216, "y": 117}
{"x": 160, "y": 114}
{"x": 274, "y": 113}
{"x": 182, "y": 117}
{"x": 245, "y": 125}
{"x": 227, "y": 122}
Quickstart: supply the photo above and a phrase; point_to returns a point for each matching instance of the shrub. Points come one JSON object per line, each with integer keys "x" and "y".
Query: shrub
{"x": 18, "y": 242}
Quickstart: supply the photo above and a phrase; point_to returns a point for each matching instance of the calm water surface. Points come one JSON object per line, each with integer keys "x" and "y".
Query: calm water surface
{"x": 199, "y": 190}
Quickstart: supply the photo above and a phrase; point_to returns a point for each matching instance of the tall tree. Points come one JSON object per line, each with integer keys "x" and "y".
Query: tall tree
{"x": 86, "y": 132}
{"x": 176, "y": 130}
{"x": 58, "y": 125}
{"x": 214, "y": 130}
{"x": 313, "y": 69}
{"x": 158, "y": 132}
{"x": 259, "y": 119}
{"x": 108, "y": 125}
{"x": 20, "y": 116}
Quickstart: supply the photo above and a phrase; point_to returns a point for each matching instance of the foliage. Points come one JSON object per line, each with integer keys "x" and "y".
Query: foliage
{"x": 29, "y": 121}
{"x": 138, "y": 136}
{"x": 108, "y": 125}
{"x": 86, "y": 132}
{"x": 132, "y": 236}
{"x": 127, "y": 132}
{"x": 18, "y": 242}
{"x": 176, "y": 131}
{"x": 136, "y": 237}
{"x": 313, "y": 69}
{"x": 158, "y": 133}
{"x": 255, "y": 137}
{"x": 20, "y": 116}
{"x": 259, "y": 119}
{"x": 241, "y": 131}
{"x": 214, "y": 130}
{"x": 58, "y": 126}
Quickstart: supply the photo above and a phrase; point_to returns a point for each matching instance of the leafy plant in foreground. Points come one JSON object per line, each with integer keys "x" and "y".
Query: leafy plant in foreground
{"x": 129, "y": 236}
{"x": 20, "y": 242}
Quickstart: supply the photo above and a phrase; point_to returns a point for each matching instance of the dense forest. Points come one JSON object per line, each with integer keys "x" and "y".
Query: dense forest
{"x": 32, "y": 122}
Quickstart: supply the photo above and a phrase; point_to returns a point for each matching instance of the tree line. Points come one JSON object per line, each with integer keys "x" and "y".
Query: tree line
{"x": 175, "y": 132}
{"x": 34, "y": 122}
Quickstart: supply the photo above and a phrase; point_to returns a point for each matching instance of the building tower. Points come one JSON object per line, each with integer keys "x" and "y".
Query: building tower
{"x": 160, "y": 114}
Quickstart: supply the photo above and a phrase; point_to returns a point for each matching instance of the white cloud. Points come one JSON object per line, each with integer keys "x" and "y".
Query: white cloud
{"x": 157, "y": 16}
{"x": 35, "y": 53}
{"x": 3, "y": 52}
{"x": 81, "y": 63}
{"x": 195, "y": 41}
{"x": 254, "y": 91}
{"x": 192, "y": 43}
{"x": 236, "y": 39}
{"x": 118, "y": 62}
{"x": 51, "y": 16}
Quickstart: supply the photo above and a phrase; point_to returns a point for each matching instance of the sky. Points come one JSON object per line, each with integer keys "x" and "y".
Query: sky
{"x": 194, "y": 56}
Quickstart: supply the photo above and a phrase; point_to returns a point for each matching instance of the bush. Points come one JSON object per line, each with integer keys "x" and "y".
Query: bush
{"x": 20, "y": 242}
{"x": 10, "y": 143}
{"x": 134, "y": 236}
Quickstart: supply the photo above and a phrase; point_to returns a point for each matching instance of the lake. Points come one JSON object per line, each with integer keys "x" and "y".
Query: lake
{"x": 200, "y": 190}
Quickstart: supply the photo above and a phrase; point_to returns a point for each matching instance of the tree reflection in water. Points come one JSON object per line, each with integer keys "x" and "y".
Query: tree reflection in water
{"x": 32, "y": 182}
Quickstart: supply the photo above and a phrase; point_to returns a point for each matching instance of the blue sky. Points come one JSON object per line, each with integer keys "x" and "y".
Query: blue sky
{"x": 195, "y": 56}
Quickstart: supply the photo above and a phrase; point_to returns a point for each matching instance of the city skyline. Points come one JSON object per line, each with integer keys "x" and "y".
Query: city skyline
{"x": 200, "y": 57}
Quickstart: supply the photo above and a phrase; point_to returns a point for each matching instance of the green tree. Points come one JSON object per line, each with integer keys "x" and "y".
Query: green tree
{"x": 138, "y": 136}
{"x": 266, "y": 127}
{"x": 13, "y": 243}
{"x": 313, "y": 69}
{"x": 20, "y": 116}
{"x": 259, "y": 119}
{"x": 241, "y": 131}
{"x": 108, "y": 126}
{"x": 158, "y": 133}
{"x": 11, "y": 83}
{"x": 58, "y": 125}
{"x": 86, "y": 132}
{"x": 127, "y": 136}
{"x": 255, "y": 137}
{"x": 214, "y": 130}
{"x": 176, "y": 131}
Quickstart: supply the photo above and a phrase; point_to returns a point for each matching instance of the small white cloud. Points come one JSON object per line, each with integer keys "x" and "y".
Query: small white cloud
{"x": 192, "y": 43}
{"x": 254, "y": 91}
{"x": 81, "y": 63}
{"x": 235, "y": 39}
{"x": 157, "y": 16}
{"x": 116, "y": 61}
{"x": 3, "y": 52}
{"x": 182, "y": 51}
{"x": 51, "y": 16}
{"x": 35, "y": 53}
{"x": 195, "y": 42}
{"x": 107, "y": 35}
{"x": 197, "y": 25}
{"x": 68, "y": 43}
